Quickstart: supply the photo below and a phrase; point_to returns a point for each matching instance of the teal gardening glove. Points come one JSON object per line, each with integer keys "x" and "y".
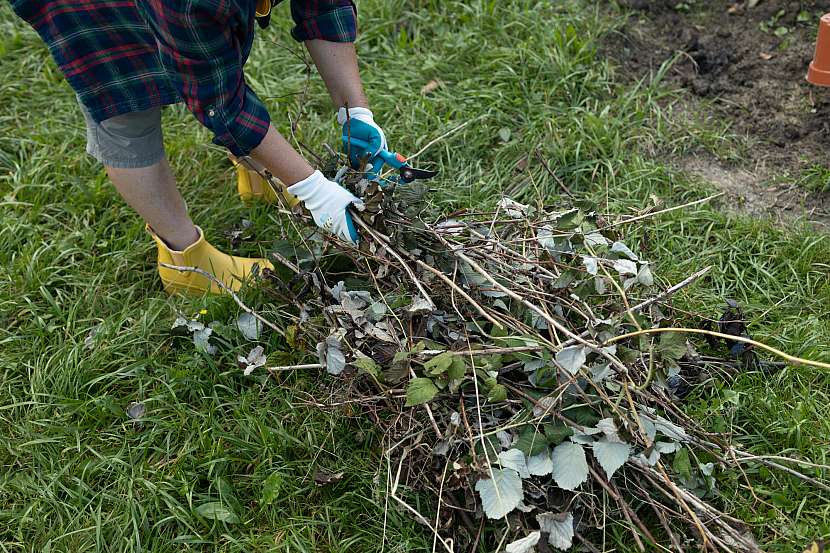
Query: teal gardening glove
{"x": 363, "y": 139}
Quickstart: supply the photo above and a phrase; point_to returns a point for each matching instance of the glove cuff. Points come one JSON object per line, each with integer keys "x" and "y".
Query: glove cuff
{"x": 354, "y": 113}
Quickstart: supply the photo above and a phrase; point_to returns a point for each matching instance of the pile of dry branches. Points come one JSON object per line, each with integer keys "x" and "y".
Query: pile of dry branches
{"x": 524, "y": 364}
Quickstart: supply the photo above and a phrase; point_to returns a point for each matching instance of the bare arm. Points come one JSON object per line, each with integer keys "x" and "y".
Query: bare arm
{"x": 337, "y": 64}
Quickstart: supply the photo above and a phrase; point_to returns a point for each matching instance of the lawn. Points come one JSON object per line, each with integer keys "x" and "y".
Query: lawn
{"x": 76, "y": 474}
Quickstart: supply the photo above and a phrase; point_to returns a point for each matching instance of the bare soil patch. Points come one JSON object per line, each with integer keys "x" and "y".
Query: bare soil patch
{"x": 745, "y": 63}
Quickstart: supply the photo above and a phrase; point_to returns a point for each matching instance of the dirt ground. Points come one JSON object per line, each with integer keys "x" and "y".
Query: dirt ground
{"x": 745, "y": 63}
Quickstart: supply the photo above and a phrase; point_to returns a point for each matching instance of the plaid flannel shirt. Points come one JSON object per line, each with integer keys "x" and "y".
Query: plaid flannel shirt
{"x": 122, "y": 56}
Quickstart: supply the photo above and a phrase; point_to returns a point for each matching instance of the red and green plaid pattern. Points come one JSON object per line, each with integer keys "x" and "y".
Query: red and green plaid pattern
{"x": 122, "y": 56}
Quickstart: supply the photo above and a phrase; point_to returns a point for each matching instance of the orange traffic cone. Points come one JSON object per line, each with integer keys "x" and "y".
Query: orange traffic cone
{"x": 819, "y": 72}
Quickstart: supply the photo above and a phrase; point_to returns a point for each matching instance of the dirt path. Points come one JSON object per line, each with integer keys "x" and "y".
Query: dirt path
{"x": 747, "y": 60}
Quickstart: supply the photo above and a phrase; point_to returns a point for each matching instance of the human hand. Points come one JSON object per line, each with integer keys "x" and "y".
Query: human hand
{"x": 329, "y": 204}
{"x": 363, "y": 139}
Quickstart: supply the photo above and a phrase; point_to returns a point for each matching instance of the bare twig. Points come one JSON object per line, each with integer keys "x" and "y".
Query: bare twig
{"x": 227, "y": 289}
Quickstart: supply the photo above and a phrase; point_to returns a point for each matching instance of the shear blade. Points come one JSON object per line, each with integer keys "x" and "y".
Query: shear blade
{"x": 409, "y": 174}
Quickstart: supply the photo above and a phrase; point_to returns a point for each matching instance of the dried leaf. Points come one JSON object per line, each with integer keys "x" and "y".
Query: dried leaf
{"x": 252, "y": 361}
{"x": 249, "y": 326}
{"x": 431, "y": 86}
{"x": 559, "y": 527}
{"x": 524, "y": 545}
{"x": 323, "y": 478}
{"x": 135, "y": 410}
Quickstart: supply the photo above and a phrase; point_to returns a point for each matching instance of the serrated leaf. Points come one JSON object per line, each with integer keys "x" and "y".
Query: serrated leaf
{"x": 514, "y": 459}
{"x": 591, "y": 264}
{"x": 540, "y": 464}
{"x": 556, "y": 433}
{"x": 420, "y": 391}
{"x": 595, "y": 239}
{"x": 201, "y": 338}
{"x": 611, "y": 455}
{"x": 458, "y": 368}
{"x": 531, "y": 442}
{"x": 682, "y": 465}
{"x": 620, "y": 248}
{"x": 644, "y": 276}
{"x": 524, "y": 545}
{"x": 672, "y": 345}
{"x": 331, "y": 356}
{"x": 249, "y": 326}
{"x": 216, "y": 511}
{"x": 625, "y": 267}
{"x": 572, "y": 358}
{"x": 439, "y": 364}
{"x": 254, "y": 360}
{"x": 570, "y": 468}
{"x": 500, "y": 494}
{"x": 271, "y": 488}
{"x": 559, "y": 527}
{"x": 367, "y": 365}
{"x": 497, "y": 393}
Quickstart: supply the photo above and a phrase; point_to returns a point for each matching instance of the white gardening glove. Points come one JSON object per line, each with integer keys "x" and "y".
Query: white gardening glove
{"x": 329, "y": 204}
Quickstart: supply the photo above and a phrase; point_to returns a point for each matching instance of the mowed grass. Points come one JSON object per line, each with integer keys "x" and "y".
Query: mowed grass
{"x": 77, "y": 475}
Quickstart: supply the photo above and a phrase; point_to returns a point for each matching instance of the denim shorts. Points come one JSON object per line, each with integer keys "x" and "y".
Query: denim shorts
{"x": 127, "y": 141}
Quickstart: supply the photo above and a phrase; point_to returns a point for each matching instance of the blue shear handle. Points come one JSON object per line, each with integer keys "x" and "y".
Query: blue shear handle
{"x": 359, "y": 149}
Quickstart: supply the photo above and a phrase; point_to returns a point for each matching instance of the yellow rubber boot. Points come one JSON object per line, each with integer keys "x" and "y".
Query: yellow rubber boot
{"x": 252, "y": 187}
{"x": 229, "y": 269}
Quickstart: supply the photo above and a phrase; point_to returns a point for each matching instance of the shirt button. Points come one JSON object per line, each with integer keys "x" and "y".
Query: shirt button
{"x": 211, "y": 112}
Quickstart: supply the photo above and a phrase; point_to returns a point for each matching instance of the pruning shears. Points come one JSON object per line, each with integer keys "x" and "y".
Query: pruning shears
{"x": 359, "y": 150}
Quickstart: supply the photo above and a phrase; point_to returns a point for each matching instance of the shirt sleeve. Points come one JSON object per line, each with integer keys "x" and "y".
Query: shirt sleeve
{"x": 332, "y": 20}
{"x": 200, "y": 45}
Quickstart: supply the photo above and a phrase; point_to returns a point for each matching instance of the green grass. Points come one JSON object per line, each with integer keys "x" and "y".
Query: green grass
{"x": 77, "y": 475}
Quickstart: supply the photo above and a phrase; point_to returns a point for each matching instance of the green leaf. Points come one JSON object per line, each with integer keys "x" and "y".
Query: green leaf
{"x": 439, "y": 364}
{"x": 682, "y": 465}
{"x": 458, "y": 368}
{"x": 556, "y": 433}
{"x": 497, "y": 393}
{"x": 672, "y": 345}
{"x": 531, "y": 442}
{"x": 216, "y": 511}
{"x": 420, "y": 391}
{"x": 367, "y": 365}
{"x": 271, "y": 488}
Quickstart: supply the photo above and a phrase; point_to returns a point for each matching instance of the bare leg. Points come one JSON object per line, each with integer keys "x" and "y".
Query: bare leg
{"x": 152, "y": 192}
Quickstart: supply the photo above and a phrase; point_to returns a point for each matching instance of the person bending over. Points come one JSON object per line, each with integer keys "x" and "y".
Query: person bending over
{"x": 125, "y": 59}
